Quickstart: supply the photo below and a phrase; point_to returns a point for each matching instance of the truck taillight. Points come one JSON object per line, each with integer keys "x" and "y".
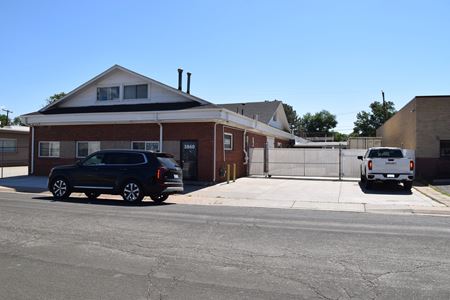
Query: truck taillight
{"x": 411, "y": 165}
{"x": 370, "y": 165}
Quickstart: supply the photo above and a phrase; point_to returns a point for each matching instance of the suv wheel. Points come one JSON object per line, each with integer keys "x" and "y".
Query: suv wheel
{"x": 159, "y": 198}
{"x": 92, "y": 195}
{"x": 60, "y": 188}
{"x": 132, "y": 192}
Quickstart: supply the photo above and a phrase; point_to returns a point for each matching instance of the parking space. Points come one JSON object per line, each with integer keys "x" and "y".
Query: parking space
{"x": 306, "y": 194}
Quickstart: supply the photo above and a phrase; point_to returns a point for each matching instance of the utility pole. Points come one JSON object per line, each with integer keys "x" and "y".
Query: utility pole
{"x": 7, "y": 115}
{"x": 384, "y": 107}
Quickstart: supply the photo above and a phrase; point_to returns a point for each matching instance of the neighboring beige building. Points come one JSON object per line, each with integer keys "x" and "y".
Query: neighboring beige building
{"x": 14, "y": 146}
{"x": 423, "y": 125}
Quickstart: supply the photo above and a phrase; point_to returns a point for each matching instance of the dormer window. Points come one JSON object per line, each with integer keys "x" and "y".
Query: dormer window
{"x": 108, "y": 93}
{"x": 139, "y": 91}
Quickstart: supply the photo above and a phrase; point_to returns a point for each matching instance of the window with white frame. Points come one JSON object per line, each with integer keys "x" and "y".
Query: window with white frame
{"x": 228, "y": 141}
{"x": 49, "y": 149}
{"x": 139, "y": 91}
{"x": 8, "y": 145}
{"x": 86, "y": 148}
{"x": 108, "y": 93}
{"x": 145, "y": 145}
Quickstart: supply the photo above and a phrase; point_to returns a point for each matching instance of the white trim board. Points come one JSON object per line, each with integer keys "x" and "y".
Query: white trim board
{"x": 218, "y": 115}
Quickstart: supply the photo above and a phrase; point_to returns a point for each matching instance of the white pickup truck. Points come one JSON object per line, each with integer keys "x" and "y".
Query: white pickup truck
{"x": 388, "y": 165}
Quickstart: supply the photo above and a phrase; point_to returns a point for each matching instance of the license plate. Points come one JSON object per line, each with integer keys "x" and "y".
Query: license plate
{"x": 390, "y": 176}
{"x": 175, "y": 176}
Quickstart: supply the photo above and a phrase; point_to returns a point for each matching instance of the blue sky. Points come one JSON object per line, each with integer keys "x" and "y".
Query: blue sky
{"x": 313, "y": 55}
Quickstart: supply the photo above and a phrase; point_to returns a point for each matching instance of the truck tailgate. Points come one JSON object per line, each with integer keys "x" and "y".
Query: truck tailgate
{"x": 390, "y": 165}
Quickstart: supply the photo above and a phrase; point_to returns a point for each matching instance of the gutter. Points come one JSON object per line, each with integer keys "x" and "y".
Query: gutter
{"x": 243, "y": 146}
{"x": 160, "y": 137}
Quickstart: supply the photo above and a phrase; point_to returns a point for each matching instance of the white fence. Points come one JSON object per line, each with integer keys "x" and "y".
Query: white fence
{"x": 306, "y": 162}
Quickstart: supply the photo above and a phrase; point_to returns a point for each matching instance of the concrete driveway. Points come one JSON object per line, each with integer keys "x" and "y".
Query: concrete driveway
{"x": 308, "y": 194}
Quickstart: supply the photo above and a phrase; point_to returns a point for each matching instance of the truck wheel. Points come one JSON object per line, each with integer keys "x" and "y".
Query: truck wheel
{"x": 367, "y": 184}
{"x": 407, "y": 185}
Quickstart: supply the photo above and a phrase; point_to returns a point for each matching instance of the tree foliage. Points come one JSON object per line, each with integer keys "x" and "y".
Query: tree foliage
{"x": 320, "y": 122}
{"x": 17, "y": 122}
{"x": 54, "y": 98}
{"x": 366, "y": 123}
{"x": 4, "y": 120}
{"x": 292, "y": 118}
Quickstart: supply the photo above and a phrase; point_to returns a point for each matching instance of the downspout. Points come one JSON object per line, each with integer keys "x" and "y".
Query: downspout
{"x": 160, "y": 137}
{"x": 32, "y": 151}
{"x": 214, "y": 155}
{"x": 245, "y": 150}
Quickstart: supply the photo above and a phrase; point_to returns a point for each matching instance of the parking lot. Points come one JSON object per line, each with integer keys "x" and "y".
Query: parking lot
{"x": 306, "y": 194}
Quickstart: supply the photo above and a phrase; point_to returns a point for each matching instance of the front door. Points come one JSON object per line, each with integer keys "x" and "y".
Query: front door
{"x": 189, "y": 151}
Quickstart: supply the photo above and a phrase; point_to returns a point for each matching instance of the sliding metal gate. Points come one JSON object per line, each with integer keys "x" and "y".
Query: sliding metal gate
{"x": 302, "y": 162}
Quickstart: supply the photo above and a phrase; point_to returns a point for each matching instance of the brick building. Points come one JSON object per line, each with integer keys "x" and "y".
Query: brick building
{"x": 121, "y": 109}
{"x": 14, "y": 148}
{"x": 423, "y": 125}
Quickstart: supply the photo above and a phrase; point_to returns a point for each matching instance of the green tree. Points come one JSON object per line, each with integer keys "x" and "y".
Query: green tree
{"x": 54, "y": 98}
{"x": 4, "y": 121}
{"x": 17, "y": 122}
{"x": 320, "y": 122}
{"x": 366, "y": 123}
{"x": 292, "y": 117}
{"x": 339, "y": 137}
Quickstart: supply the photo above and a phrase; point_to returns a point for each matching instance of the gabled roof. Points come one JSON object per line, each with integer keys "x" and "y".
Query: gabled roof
{"x": 117, "y": 67}
{"x": 264, "y": 109}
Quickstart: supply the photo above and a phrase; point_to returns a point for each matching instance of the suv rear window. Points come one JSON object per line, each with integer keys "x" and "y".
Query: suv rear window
{"x": 386, "y": 153}
{"x": 168, "y": 162}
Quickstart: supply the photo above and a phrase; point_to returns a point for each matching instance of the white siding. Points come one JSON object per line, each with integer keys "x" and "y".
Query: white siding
{"x": 88, "y": 96}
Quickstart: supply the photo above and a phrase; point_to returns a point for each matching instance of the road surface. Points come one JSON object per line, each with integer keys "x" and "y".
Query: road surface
{"x": 109, "y": 250}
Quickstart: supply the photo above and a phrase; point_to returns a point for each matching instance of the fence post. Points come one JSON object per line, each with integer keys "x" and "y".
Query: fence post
{"x": 234, "y": 172}
{"x": 340, "y": 162}
{"x": 266, "y": 159}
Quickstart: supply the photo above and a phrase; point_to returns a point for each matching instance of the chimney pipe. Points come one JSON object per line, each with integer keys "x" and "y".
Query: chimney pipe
{"x": 188, "y": 82}
{"x": 180, "y": 79}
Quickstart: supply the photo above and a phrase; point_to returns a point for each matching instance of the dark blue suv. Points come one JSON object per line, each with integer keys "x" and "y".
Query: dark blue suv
{"x": 132, "y": 174}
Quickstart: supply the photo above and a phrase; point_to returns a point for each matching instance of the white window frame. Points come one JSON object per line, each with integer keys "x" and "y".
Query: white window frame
{"x": 2, "y": 147}
{"x": 110, "y": 87}
{"x": 231, "y": 144}
{"x": 135, "y": 85}
{"x": 145, "y": 144}
{"x": 49, "y": 147}
{"x": 78, "y": 142}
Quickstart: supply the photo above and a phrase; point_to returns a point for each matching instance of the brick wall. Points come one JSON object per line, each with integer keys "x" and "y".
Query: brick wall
{"x": 125, "y": 133}
{"x": 400, "y": 129}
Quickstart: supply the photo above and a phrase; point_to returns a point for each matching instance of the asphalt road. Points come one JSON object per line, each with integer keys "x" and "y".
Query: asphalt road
{"x": 109, "y": 250}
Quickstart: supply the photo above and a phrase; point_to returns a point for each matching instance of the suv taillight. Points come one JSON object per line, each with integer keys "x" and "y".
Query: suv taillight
{"x": 160, "y": 173}
{"x": 370, "y": 165}
{"x": 411, "y": 165}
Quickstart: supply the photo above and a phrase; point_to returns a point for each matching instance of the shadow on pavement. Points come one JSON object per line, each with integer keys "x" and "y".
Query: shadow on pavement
{"x": 102, "y": 201}
{"x": 388, "y": 188}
